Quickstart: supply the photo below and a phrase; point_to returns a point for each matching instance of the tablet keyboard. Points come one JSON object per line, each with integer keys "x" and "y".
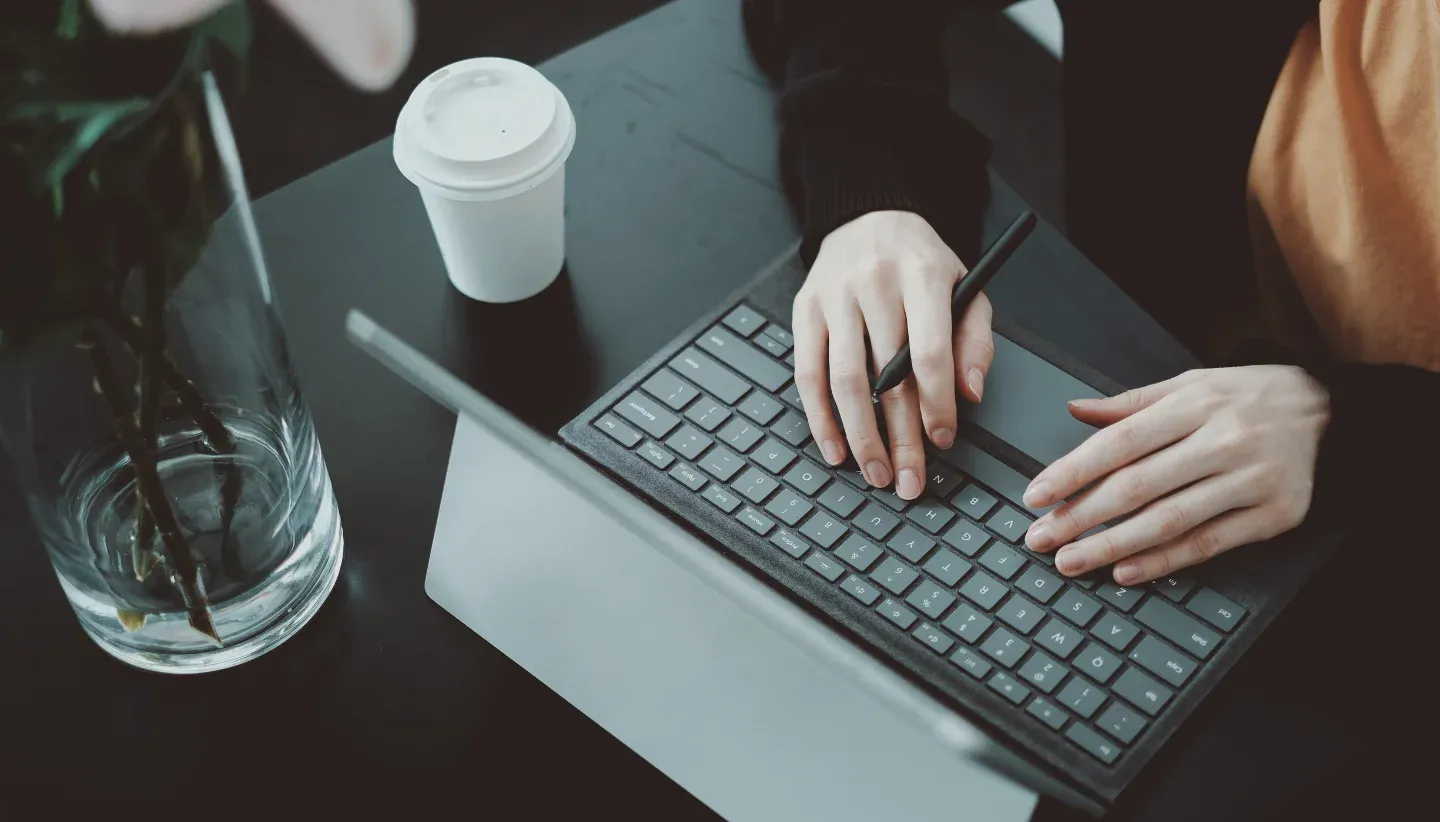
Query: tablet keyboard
{"x": 1094, "y": 662}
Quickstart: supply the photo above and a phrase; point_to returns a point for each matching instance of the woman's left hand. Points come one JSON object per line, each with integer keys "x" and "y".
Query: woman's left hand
{"x": 1204, "y": 462}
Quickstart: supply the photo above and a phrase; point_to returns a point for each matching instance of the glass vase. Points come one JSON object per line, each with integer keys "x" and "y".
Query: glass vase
{"x": 156, "y": 425}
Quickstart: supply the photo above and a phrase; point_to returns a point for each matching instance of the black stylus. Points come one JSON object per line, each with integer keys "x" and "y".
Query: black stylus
{"x": 965, "y": 292}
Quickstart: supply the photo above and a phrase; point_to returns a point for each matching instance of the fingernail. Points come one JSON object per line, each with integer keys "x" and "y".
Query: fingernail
{"x": 908, "y": 487}
{"x": 1069, "y": 561}
{"x": 1127, "y": 573}
{"x": 976, "y": 382}
{"x": 943, "y": 438}
{"x": 1081, "y": 403}
{"x": 831, "y": 450}
{"x": 1039, "y": 536}
{"x": 1038, "y": 494}
{"x": 877, "y": 473}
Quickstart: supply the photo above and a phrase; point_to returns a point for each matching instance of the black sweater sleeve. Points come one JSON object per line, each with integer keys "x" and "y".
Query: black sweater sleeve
{"x": 864, "y": 116}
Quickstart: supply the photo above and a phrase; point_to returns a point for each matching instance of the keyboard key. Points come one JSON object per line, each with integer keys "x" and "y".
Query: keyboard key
{"x": 841, "y": 499}
{"x": 722, "y": 463}
{"x": 1047, "y": 713}
{"x": 790, "y": 359}
{"x": 1097, "y": 662}
{"x": 849, "y": 472}
{"x": 780, "y": 335}
{"x": 911, "y": 544}
{"x": 823, "y": 529}
{"x": 1173, "y": 588}
{"x": 1076, "y": 607}
{"x": 825, "y": 565}
{"x": 755, "y": 485}
{"x": 707, "y": 414}
{"x": 1040, "y": 671}
{"x": 759, "y": 408}
{"x": 898, "y": 614}
{"x": 1082, "y": 696}
{"x": 1114, "y": 631}
{"x": 1003, "y": 560}
{"x": 940, "y": 480}
{"x": 745, "y": 358}
{"x": 755, "y": 521}
{"x": 1123, "y": 598}
{"x": 618, "y": 431}
{"x": 1093, "y": 743}
{"x": 710, "y": 375}
{"x": 792, "y": 428}
{"x": 688, "y": 442}
{"x": 670, "y": 389}
{"x": 1039, "y": 584}
{"x": 1163, "y": 661}
{"x": 1215, "y": 609}
{"x": 806, "y": 477}
{"x": 1020, "y": 613}
{"x": 1059, "y": 638}
{"x": 724, "y": 499}
{"x": 876, "y": 521}
{"x": 1004, "y": 647}
{"x": 894, "y": 575}
{"x": 741, "y": 434}
{"x": 890, "y": 499}
{"x": 1178, "y": 627}
{"x": 983, "y": 590}
{"x": 791, "y": 395}
{"x": 971, "y": 663}
{"x": 773, "y": 456}
{"x": 1009, "y": 688}
{"x": 789, "y": 543}
{"x": 788, "y": 508}
{"x": 933, "y": 637}
{"x": 745, "y": 320}
{"x": 968, "y": 537}
{"x": 1141, "y": 690}
{"x": 687, "y": 476}
{"x": 861, "y": 588}
{"x": 947, "y": 567}
{"x": 650, "y": 415}
{"x": 657, "y": 456}
{"x": 930, "y": 599}
{"x": 931, "y": 515}
{"x": 973, "y": 501}
{"x": 1121, "y": 722}
{"x": 1009, "y": 524}
{"x": 772, "y": 346}
{"x": 858, "y": 552}
{"x": 968, "y": 623}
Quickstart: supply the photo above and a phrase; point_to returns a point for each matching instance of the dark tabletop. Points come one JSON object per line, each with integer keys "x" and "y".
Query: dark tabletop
{"x": 672, "y": 203}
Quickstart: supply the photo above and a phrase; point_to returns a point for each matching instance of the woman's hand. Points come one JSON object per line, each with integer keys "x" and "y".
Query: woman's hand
{"x": 887, "y": 275}
{"x": 1202, "y": 463}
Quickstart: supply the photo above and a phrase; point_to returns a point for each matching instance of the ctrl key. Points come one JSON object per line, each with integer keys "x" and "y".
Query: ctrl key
{"x": 1093, "y": 743}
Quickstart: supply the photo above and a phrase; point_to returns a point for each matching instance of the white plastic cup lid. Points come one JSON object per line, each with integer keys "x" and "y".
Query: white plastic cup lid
{"x": 483, "y": 129}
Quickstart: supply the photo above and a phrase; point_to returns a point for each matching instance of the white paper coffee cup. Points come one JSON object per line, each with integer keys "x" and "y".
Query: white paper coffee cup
{"x": 485, "y": 141}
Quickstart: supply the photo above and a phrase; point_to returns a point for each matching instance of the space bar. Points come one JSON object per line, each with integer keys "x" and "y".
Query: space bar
{"x": 1004, "y": 480}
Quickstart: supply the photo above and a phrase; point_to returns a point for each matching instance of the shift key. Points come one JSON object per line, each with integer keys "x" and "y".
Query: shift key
{"x": 745, "y": 358}
{"x": 1178, "y": 627}
{"x": 710, "y": 375}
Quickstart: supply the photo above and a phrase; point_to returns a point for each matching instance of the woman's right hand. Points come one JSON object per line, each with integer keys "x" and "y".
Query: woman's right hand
{"x": 887, "y": 275}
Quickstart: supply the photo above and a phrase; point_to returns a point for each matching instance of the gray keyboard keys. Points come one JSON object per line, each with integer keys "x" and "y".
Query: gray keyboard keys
{"x": 1139, "y": 689}
{"x": 1009, "y": 524}
{"x": 1047, "y": 713}
{"x": 1076, "y": 607}
{"x": 824, "y": 529}
{"x": 759, "y": 408}
{"x": 1173, "y": 588}
{"x": 934, "y": 638}
{"x": 1082, "y": 696}
{"x": 894, "y": 575}
{"x": 1163, "y": 661}
{"x": 1059, "y": 638}
{"x": 931, "y": 599}
{"x": 688, "y": 442}
{"x": 745, "y": 358}
{"x": 947, "y": 567}
{"x": 841, "y": 498}
{"x": 1215, "y": 609}
{"x": 1121, "y": 722}
{"x": 722, "y": 463}
{"x": 971, "y": 663}
{"x": 911, "y": 544}
{"x": 966, "y": 536}
{"x": 1123, "y": 598}
{"x": 1020, "y": 613}
{"x": 723, "y": 498}
{"x": 1003, "y": 560}
{"x": 1178, "y": 627}
{"x": 890, "y": 499}
{"x": 973, "y": 501}
{"x": 857, "y": 552}
{"x": 791, "y": 395}
{"x": 618, "y": 431}
{"x": 755, "y": 485}
{"x": 741, "y": 434}
{"x": 876, "y": 521}
{"x": 670, "y": 389}
{"x": 710, "y": 375}
{"x": 931, "y": 515}
{"x": 780, "y": 335}
{"x": 940, "y": 480}
{"x": 745, "y": 320}
{"x": 825, "y": 565}
{"x": 1009, "y": 688}
{"x": 755, "y": 521}
{"x": 657, "y": 456}
{"x": 1096, "y": 662}
{"x": 707, "y": 414}
{"x": 789, "y": 543}
{"x": 650, "y": 415}
{"x": 898, "y": 614}
{"x": 968, "y": 623}
{"x": 1040, "y": 671}
{"x": 983, "y": 590}
{"x": 772, "y": 346}
{"x": 1114, "y": 631}
{"x": 806, "y": 477}
{"x": 773, "y": 456}
{"x": 861, "y": 588}
{"x": 788, "y": 507}
{"x": 687, "y": 476}
{"x": 1093, "y": 743}
{"x": 1039, "y": 584}
{"x": 1004, "y": 647}
{"x": 792, "y": 428}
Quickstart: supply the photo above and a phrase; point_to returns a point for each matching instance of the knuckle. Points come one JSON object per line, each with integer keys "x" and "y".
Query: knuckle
{"x": 929, "y": 355}
{"x": 981, "y": 345}
{"x": 849, "y": 379}
{"x": 1173, "y": 520}
{"x": 1127, "y": 439}
{"x": 1108, "y": 548}
{"x": 1135, "y": 488}
{"x": 1207, "y": 543}
{"x": 1160, "y": 565}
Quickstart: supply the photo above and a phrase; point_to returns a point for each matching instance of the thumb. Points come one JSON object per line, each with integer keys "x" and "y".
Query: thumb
{"x": 1108, "y": 410}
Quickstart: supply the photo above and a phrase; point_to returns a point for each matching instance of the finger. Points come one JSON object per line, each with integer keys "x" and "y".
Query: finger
{"x": 812, "y": 377}
{"x": 1112, "y": 448}
{"x": 886, "y": 326}
{"x": 1235, "y": 528}
{"x": 850, "y": 386}
{"x": 975, "y": 344}
{"x": 932, "y": 357}
{"x": 1107, "y": 410}
{"x": 1160, "y": 522}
